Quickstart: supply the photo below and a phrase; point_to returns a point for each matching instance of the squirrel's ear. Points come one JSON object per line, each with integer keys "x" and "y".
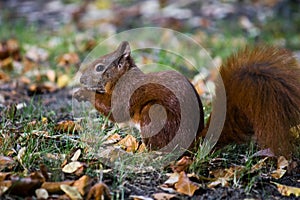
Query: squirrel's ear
{"x": 124, "y": 49}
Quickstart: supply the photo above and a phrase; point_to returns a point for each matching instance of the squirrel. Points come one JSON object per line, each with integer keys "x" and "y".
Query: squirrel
{"x": 262, "y": 87}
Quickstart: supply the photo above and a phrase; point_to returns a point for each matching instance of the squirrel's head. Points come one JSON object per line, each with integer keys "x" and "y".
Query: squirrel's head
{"x": 102, "y": 74}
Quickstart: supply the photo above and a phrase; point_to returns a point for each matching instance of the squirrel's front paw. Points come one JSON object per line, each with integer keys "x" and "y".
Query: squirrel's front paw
{"x": 83, "y": 95}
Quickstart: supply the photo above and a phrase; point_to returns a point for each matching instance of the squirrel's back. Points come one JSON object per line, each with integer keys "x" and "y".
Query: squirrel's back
{"x": 263, "y": 97}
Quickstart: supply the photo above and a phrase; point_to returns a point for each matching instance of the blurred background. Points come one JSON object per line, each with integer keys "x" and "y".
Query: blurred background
{"x": 44, "y": 42}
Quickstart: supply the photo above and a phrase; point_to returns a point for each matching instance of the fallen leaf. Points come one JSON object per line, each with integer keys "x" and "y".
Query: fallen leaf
{"x": 173, "y": 178}
{"x": 282, "y": 162}
{"x": 51, "y": 75}
{"x": 42, "y": 88}
{"x": 139, "y": 197}
{"x": 72, "y": 167}
{"x": 112, "y": 139}
{"x": 76, "y": 155}
{"x": 6, "y": 162}
{"x": 129, "y": 143}
{"x": 167, "y": 188}
{"x": 44, "y": 171}
{"x": 4, "y": 77}
{"x": 182, "y": 165}
{"x": 63, "y": 80}
{"x": 4, "y": 186}
{"x": 7, "y": 64}
{"x": 54, "y": 187}
{"x": 280, "y": 171}
{"x": 72, "y": 192}
{"x": 142, "y": 148}
{"x": 185, "y": 186}
{"x": 258, "y": 165}
{"x": 82, "y": 184}
{"x": 99, "y": 191}
{"x": 287, "y": 190}
{"x": 67, "y": 126}
{"x": 41, "y": 193}
{"x": 163, "y": 196}
{"x": 68, "y": 59}
{"x": 36, "y": 54}
{"x": 4, "y": 175}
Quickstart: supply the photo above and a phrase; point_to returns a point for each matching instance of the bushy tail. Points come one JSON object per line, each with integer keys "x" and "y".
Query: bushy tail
{"x": 263, "y": 97}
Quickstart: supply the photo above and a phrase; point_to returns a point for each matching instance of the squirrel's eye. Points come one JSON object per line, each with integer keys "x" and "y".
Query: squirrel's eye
{"x": 99, "y": 67}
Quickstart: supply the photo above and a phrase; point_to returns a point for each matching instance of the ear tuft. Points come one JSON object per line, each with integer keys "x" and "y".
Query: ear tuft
{"x": 124, "y": 49}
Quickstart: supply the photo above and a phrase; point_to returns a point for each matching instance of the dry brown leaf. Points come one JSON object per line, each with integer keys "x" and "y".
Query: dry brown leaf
{"x": 54, "y": 187}
{"x": 68, "y": 59}
{"x": 67, "y": 126}
{"x": 11, "y": 48}
{"x": 219, "y": 181}
{"x": 4, "y": 175}
{"x": 287, "y": 190}
{"x": 42, "y": 88}
{"x": 98, "y": 192}
{"x": 4, "y": 186}
{"x": 72, "y": 167}
{"x": 6, "y": 162}
{"x": 82, "y": 184}
{"x": 163, "y": 196}
{"x": 185, "y": 186}
{"x": 113, "y": 139}
{"x": 37, "y": 176}
{"x": 282, "y": 163}
{"x": 72, "y": 192}
{"x": 278, "y": 173}
{"x": 182, "y": 165}
{"x": 7, "y": 64}
{"x": 224, "y": 175}
{"x": 25, "y": 80}
{"x": 129, "y": 143}
{"x": 4, "y": 77}
{"x": 258, "y": 165}
{"x": 41, "y": 193}
{"x": 44, "y": 171}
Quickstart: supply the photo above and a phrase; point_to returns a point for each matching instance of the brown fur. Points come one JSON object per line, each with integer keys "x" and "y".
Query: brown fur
{"x": 263, "y": 98}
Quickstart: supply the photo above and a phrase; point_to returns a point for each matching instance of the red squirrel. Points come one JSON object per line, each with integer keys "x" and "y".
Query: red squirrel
{"x": 262, "y": 87}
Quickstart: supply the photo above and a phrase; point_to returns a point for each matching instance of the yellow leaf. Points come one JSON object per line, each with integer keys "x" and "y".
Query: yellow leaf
{"x": 63, "y": 80}
{"x": 287, "y": 190}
